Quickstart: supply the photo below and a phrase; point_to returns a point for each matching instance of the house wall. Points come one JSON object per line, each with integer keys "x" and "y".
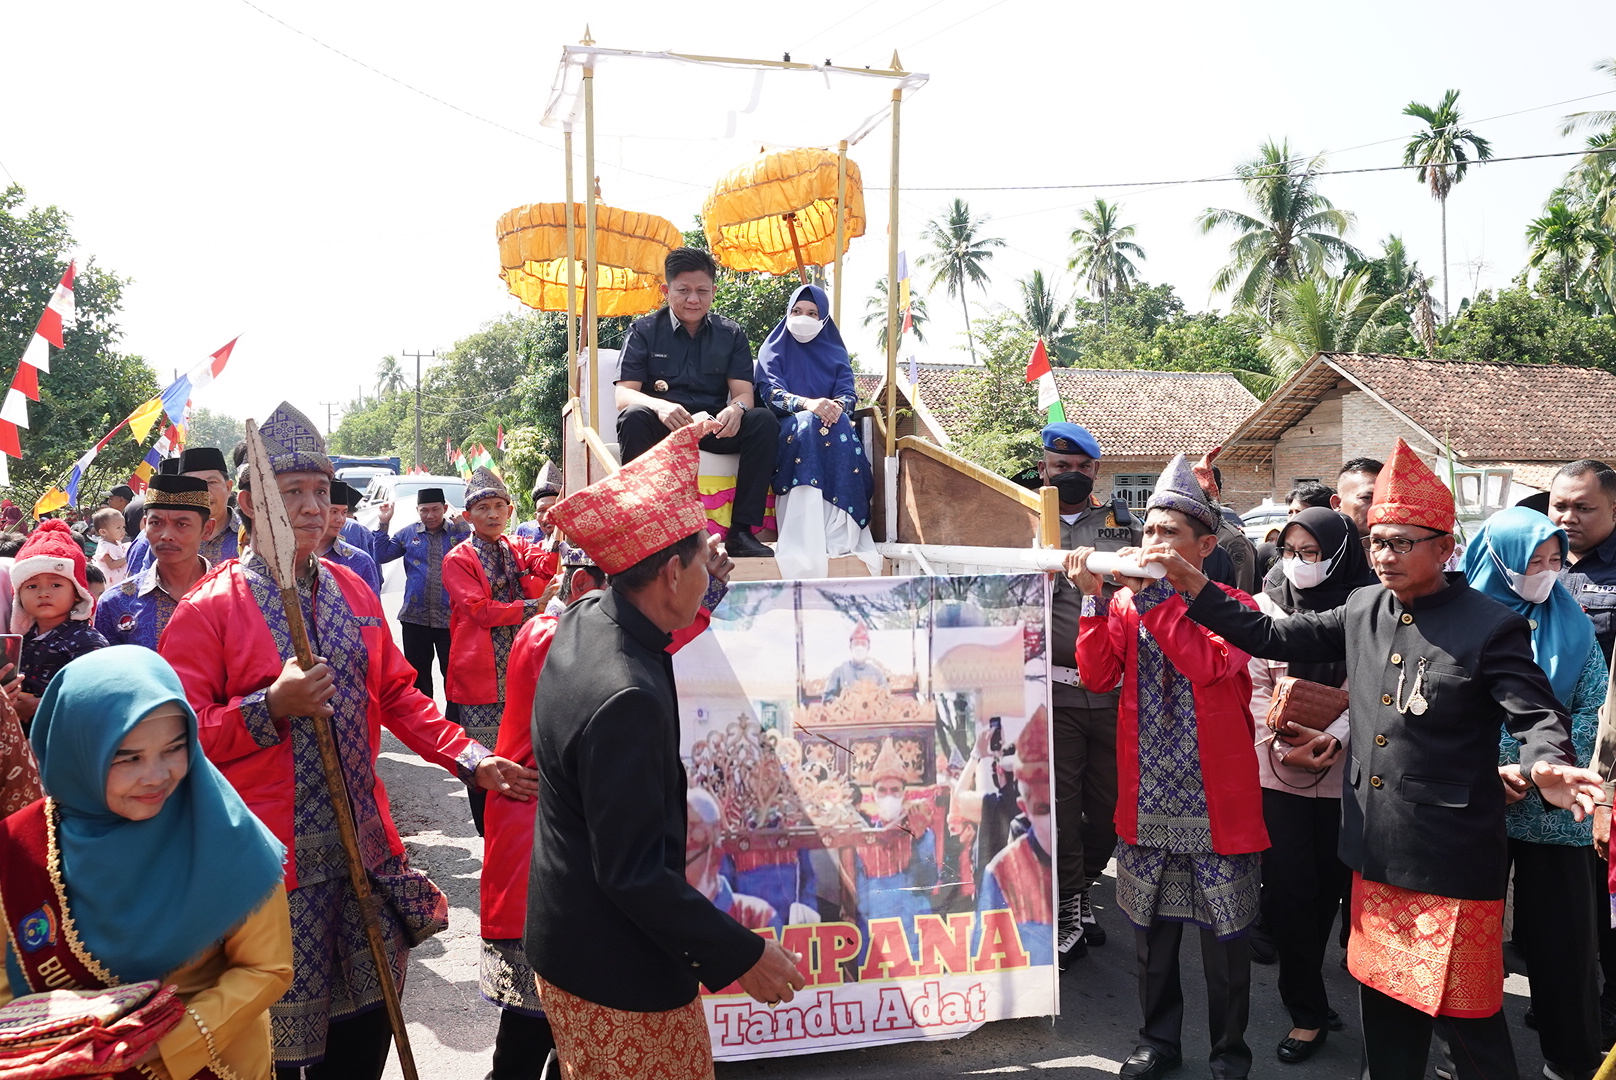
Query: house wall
{"x": 1311, "y": 448}
{"x": 1370, "y": 430}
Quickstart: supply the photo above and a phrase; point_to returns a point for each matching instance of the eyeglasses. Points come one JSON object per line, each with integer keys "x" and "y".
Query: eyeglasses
{"x": 1307, "y": 555}
{"x": 1402, "y": 545}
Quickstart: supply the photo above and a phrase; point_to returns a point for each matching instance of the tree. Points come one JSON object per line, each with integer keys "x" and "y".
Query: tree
{"x": 1292, "y": 231}
{"x": 390, "y": 377}
{"x": 1105, "y": 253}
{"x": 875, "y": 314}
{"x": 1598, "y": 120}
{"x": 960, "y": 254}
{"x": 1569, "y": 240}
{"x": 209, "y": 428}
{"x": 1325, "y": 314}
{"x": 1440, "y": 152}
{"x": 1518, "y": 326}
{"x": 1043, "y": 313}
{"x": 91, "y": 386}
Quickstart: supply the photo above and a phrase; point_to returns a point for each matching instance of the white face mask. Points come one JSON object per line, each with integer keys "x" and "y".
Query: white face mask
{"x": 890, "y": 807}
{"x": 804, "y": 327}
{"x": 1533, "y": 588}
{"x": 1305, "y": 575}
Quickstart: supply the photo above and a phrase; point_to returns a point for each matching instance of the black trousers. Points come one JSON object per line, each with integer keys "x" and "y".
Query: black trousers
{"x": 1085, "y": 793}
{"x": 1227, "y": 966}
{"x": 521, "y": 1046}
{"x": 1555, "y": 922}
{"x": 420, "y": 644}
{"x": 1397, "y": 1042}
{"x": 1599, "y": 878}
{"x": 758, "y": 443}
{"x": 355, "y": 1049}
{"x": 1303, "y": 882}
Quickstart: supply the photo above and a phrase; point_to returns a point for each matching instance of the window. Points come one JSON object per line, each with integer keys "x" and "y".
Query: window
{"x": 1133, "y": 489}
{"x": 1298, "y": 481}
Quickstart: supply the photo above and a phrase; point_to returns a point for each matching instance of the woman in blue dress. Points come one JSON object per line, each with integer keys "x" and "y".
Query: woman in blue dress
{"x": 822, "y": 480}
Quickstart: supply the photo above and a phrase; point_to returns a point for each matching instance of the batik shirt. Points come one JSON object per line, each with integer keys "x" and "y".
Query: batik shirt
{"x": 358, "y": 560}
{"x": 1530, "y": 819}
{"x": 426, "y": 602}
{"x": 138, "y": 610}
{"x": 43, "y": 655}
{"x": 504, "y": 586}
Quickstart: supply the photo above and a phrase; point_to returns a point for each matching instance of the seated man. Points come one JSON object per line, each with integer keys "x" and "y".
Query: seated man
{"x": 685, "y": 361}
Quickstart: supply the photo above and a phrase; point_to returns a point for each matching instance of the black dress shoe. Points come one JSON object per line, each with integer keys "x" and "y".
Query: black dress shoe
{"x": 1295, "y": 1051}
{"x": 1334, "y": 1021}
{"x": 1148, "y": 1063}
{"x": 741, "y": 544}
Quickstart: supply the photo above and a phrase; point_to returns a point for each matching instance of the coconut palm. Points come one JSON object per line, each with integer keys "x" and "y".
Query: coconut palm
{"x": 1568, "y": 239}
{"x": 875, "y": 314}
{"x": 1325, "y": 314}
{"x": 1597, "y": 120}
{"x": 960, "y": 253}
{"x": 1043, "y": 314}
{"x": 1441, "y": 153}
{"x": 1292, "y": 232}
{"x": 390, "y": 378}
{"x": 1105, "y": 254}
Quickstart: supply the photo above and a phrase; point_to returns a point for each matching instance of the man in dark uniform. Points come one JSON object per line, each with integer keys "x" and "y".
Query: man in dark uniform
{"x": 1435, "y": 668}
{"x": 684, "y": 361}
{"x": 1085, "y": 719}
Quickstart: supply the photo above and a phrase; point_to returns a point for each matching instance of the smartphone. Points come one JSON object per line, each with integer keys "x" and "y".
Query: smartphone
{"x": 10, "y": 653}
{"x": 995, "y": 738}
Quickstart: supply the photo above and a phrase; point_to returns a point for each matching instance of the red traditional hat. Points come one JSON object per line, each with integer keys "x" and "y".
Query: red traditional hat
{"x": 1032, "y": 748}
{"x": 860, "y": 634}
{"x": 50, "y": 549}
{"x": 645, "y": 506}
{"x": 1407, "y": 492}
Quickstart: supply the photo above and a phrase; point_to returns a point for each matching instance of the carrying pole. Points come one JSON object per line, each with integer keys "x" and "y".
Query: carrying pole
{"x": 841, "y": 230}
{"x": 892, "y": 276}
{"x": 593, "y": 328}
{"x": 572, "y": 275}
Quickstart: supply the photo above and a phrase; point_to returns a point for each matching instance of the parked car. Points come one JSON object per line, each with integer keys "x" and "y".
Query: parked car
{"x": 1257, "y": 521}
{"x": 401, "y": 492}
{"x": 359, "y": 477}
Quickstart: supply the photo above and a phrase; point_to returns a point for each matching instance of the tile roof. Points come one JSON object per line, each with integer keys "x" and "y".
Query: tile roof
{"x": 1485, "y": 411}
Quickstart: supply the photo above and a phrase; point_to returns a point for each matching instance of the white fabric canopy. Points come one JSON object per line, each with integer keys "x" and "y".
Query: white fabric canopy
{"x": 736, "y": 99}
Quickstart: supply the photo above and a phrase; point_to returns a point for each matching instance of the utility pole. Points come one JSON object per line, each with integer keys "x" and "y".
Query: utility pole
{"x": 416, "y": 356}
{"x": 329, "y": 405}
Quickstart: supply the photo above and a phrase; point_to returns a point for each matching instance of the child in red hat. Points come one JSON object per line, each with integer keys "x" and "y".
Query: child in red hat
{"x": 51, "y": 609}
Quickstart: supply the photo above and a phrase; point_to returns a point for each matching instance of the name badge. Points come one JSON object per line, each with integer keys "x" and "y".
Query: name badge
{"x": 1125, "y": 535}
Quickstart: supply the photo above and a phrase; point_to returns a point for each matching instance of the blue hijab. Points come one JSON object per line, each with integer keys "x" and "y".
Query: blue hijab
{"x": 1562, "y": 633}
{"x": 146, "y": 896}
{"x": 816, "y": 369}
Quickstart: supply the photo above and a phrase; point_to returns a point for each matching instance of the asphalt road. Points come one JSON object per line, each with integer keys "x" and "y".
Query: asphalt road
{"x": 452, "y": 1027}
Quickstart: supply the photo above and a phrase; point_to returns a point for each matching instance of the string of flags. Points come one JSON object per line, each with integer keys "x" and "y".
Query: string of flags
{"x": 60, "y": 312}
{"x": 473, "y": 457}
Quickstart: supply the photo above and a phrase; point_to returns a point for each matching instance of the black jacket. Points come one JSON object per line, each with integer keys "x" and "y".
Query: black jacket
{"x": 610, "y": 917}
{"x": 1423, "y": 807}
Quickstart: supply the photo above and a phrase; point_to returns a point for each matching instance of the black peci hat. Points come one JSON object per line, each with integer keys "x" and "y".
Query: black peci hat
{"x": 204, "y": 459}
{"x": 429, "y": 495}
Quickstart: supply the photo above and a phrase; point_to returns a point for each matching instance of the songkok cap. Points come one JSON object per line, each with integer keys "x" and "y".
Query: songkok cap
{"x": 548, "y": 482}
{"x": 204, "y": 459}
{"x": 888, "y": 765}
{"x": 1177, "y": 489}
{"x": 178, "y": 493}
{"x": 1407, "y": 492}
{"x": 649, "y": 504}
{"x": 1069, "y": 438}
{"x": 169, "y": 467}
{"x": 293, "y": 442}
{"x": 429, "y": 495}
{"x": 484, "y": 484}
{"x": 860, "y": 634}
{"x": 1032, "y": 749}
{"x": 122, "y": 491}
{"x": 50, "y": 549}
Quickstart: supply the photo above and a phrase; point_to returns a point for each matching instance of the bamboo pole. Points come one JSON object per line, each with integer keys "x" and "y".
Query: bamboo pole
{"x": 1049, "y": 521}
{"x": 589, "y": 246}
{"x": 841, "y": 229}
{"x": 892, "y": 276}
{"x": 796, "y": 247}
{"x": 572, "y": 276}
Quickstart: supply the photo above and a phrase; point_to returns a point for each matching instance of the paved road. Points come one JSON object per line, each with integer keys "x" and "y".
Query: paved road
{"x": 452, "y": 1027}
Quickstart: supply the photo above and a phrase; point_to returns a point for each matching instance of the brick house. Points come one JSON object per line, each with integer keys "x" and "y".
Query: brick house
{"x": 1141, "y": 418}
{"x": 1508, "y": 426}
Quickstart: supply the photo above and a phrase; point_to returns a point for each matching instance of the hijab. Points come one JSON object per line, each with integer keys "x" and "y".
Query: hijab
{"x": 1562, "y": 633}
{"x": 814, "y": 369}
{"x": 1337, "y": 537}
{"x": 146, "y": 896}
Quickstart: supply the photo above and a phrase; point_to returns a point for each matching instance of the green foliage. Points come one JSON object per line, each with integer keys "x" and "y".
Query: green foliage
{"x": 1002, "y": 408}
{"x": 1322, "y": 314}
{"x": 91, "y": 386}
{"x": 209, "y": 428}
{"x": 959, "y": 256}
{"x": 1569, "y": 239}
{"x": 1522, "y": 327}
{"x": 1104, "y": 252}
{"x": 1044, "y": 314}
{"x": 1443, "y": 149}
{"x": 875, "y": 314}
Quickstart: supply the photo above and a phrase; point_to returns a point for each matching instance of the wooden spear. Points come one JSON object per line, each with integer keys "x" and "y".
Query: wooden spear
{"x": 273, "y": 540}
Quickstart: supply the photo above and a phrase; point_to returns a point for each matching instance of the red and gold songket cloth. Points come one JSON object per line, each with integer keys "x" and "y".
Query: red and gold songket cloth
{"x": 1444, "y": 957}
{"x": 594, "y": 1042}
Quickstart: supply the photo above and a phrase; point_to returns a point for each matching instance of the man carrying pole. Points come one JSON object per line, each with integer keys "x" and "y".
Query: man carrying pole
{"x": 235, "y": 642}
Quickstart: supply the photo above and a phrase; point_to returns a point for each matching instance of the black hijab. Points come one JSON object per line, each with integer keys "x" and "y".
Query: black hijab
{"x": 1337, "y": 538}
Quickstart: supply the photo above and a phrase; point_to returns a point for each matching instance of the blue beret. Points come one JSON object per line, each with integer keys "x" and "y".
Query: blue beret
{"x": 1069, "y": 438}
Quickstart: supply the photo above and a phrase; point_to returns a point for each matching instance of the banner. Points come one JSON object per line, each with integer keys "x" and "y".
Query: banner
{"x": 870, "y": 785}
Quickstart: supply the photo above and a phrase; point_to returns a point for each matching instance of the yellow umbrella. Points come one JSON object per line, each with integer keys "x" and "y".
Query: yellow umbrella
{"x": 629, "y": 250}
{"x": 778, "y": 213}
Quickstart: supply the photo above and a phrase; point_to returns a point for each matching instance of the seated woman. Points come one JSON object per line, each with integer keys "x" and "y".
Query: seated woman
{"x": 822, "y": 480}
{"x": 144, "y": 863}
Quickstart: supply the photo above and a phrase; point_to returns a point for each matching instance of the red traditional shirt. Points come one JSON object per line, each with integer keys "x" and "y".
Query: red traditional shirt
{"x": 474, "y": 677}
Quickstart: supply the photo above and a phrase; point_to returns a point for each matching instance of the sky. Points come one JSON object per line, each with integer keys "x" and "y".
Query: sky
{"x": 252, "y": 181}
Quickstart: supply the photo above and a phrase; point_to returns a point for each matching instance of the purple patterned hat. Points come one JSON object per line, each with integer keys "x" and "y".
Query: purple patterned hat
{"x": 1177, "y": 489}
{"x": 293, "y": 442}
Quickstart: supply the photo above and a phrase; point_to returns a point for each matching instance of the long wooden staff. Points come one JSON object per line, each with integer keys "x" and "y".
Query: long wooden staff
{"x": 273, "y": 540}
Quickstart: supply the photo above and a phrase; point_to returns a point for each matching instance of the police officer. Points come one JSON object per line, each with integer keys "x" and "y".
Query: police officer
{"x": 1085, "y": 718}
{"x": 684, "y": 360}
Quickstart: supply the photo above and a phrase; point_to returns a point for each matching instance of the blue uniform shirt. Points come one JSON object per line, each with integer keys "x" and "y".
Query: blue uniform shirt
{"x": 358, "y": 560}
{"x": 426, "y": 601}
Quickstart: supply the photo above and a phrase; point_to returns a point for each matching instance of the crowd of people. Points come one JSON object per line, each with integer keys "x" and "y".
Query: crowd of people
{"x": 1361, "y": 722}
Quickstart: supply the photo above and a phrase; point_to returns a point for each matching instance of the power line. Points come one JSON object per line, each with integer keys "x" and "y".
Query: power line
{"x": 834, "y": 25}
{"x": 894, "y": 26}
{"x": 951, "y": 26}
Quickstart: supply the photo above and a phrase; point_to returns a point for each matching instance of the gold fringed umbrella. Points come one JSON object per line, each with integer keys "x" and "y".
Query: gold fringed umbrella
{"x": 778, "y": 213}
{"x": 629, "y": 250}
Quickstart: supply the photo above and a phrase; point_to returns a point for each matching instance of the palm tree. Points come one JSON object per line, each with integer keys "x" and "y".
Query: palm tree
{"x": 1105, "y": 254}
{"x": 1043, "y": 314}
{"x": 875, "y": 314}
{"x": 1325, "y": 314}
{"x": 390, "y": 378}
{"x": 1569, "y": 239}
{"x": 960, "y": 254}
{"x": 1292, "y": 232}
{"x": 1440, "y": 153}
{"x": 1599, "y": 120}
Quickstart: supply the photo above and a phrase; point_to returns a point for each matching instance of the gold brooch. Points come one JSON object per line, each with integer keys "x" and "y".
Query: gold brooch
{"x": 660, "y": 386}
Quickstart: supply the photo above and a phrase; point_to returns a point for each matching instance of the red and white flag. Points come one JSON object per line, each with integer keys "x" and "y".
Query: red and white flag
{"x": 59, "y": 314}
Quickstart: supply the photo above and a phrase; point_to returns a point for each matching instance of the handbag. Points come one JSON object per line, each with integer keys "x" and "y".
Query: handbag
{"x": 1305, "y": 704}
